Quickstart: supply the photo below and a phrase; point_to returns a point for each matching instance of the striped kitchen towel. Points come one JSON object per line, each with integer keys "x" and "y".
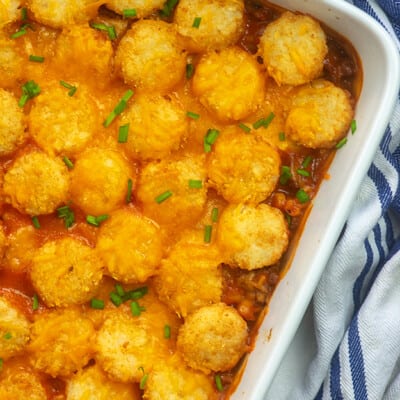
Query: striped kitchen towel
{"x": 357, "y": 303}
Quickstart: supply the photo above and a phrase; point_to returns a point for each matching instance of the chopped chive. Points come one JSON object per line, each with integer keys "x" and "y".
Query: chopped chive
{"x": 210, "y": 138}
{"x": 214, "y": 214}
{"x": 38, "y": 59}
{"x": 285, "y": 175}
{"x": 97, "y": 304}
{"x": 30, "y": 90}
{"x": 68, "y": 162}
{"x": 128, "y": 197}
{"x": 112, "y": 34}
{"x": 264, "y": 122}
{"x": 195, "y": 184}
{"x": 207, "y": 233}
{"x": 189, "y": 70}
{"x": 303, "y": 172}
{"x": 192, "y": 115}
{"x": 116, "y": 299}
{"x": 143, "y": 381}
{"x": 353, "y": 126}
{"x": 135, "y": 294}
{"x": 168, "y": 8}
{"x": 7, "y": 336}
{"x": 341, "y": 143}
{"x": 218, "y": 383}
{"x": 163, "y": 196}
{"x": 19, "y": 33}
{"x": 67, "y": 214}
{"x": 72, "y": 89}
{"x": 24, "y": 14}
{"x": 288, "y": 219}
{"x": 96, "y": 220}
{"x": 167, "y": 332}
{"x": 245, "y": 128}
{"x": 110, "y": 29}
{"x": 282, "y": 136}
{"x": 196, "y": 22}
{"x": 136, "y": 309}
{"x": 35, "y": 222}
{"x": 129, "y": 13}
{"x": 118, "y": 108}
{"x": 302, "y": 196}
{"x": 35, "y": 302}
{"x": 306, "y": 162}
{"x": 123, "y": 133}
{"x": 119, "y": 289}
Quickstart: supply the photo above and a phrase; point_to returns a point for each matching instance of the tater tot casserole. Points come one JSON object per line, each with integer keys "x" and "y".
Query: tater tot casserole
{"x": 156, "y": 160}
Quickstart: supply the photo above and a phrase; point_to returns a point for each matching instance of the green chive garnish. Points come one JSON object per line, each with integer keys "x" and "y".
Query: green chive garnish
{"x": 214, "y": 214}
{"x": 143, "y": 381}
{"x": 136, "y": 309}
{"x": 35, "y": 302}
{"x": 168, "y": 8}
{"x": 123, "y": 133}
{"x": 119, "y": 289}
{"x": 67, "y": 214}
{"x": 72, "y": 88}
{"x": 282, "y": 136}
{"x": 196, "y": 22}
{"x": 110, "y": 29}
{"x": 264, "y": 122}
{"x": 163, "y": 196}
{"x": 97, "y": 304}
{"x": 302, "y": 196}
{"x": 245, "y": 128}
{"x": 18, "y": 34}
{"x": 303, "y": 172}
{"x": 7, "y": 336}
{"x": 24, "y": 14}
{"x": 129, "y": 13}
{"x": 341, "y": 143}
{"x": 29, "y": 90}
{"x": 285, "y": 175}
{"x": 96, "y": 220}
{"x": 35, "y": 222}
{"x": 128, "y": 197}
{"x": 306, "y": 162}
{"x": 189, "y": 70}
{"x": 167, "y": 332}
{"x": 353, "y": 126}
{"x": 38, "y": 59}
{"x": 209, "y": 139}
{"x": 68, "y": 162}
{"x": 192, "y": 115}
{"x": 195, "y": 184}
{"x": 116, "y": 299}
{"x": 118, "y": 108}
{"x": 218, "y": 383}
{"x": 207, "y": 233}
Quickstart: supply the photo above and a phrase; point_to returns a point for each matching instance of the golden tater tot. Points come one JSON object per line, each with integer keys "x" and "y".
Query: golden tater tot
{"x": 66, "y": 271}
{"x": 99, "y": 180}
{"x": 213, "y": 338}
{"x": 242, "y": 167}
{"x": 54, "y": 334}
{"x": 142, "y": 8}
{"x": 63, "y": 124}
{"x": 220, "y": 23}
{"x": 150, "y": 57}
{"x": 229, "y": 83}
{"x": 9, "y": 11}
{"x": 190, "y": 277}
{"x": 36, "y": 183}
{"x": 92, "y": 383}
{"x": 12, "y": 123}
{"x": 156, "y": 126}
{"x": 171, "y": 178}
{"x": 130, "y": 246}
{"x": 293, "y": 49}
{"x": 320, "y": 115}
{"x": 252, "y": 237}
{"x": 173, "y": 380}
{"x": 11, "y": 62}
{"x": 60, "y": 13}
{"x": 19, "y": 382}
{"x": 14, "y": 330}
{"x": 85, "y": 50}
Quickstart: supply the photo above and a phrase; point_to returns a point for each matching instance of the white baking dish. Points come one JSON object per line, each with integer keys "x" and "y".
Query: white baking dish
{"x": 381, "y": 68}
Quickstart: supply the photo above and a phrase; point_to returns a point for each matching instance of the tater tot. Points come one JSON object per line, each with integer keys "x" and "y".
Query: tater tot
{"x": 150, "y": 57}
{"x": 221, "y": 23}
{"x": 126, "y": 349}
{"x": 170, "y": 176}
{"x": 69, "y": 264}
{"x": 60, "y": 13}
{"x": 92, "y": 383}
{"x": 243, "y": 167}
{"x": 61, "y": 341}
{"x": 12, "y": 124}
{"x": 86, "y": 51}
{"x": 21, "y": 245}
{"x": 142, "y": 8}
{"x": 190, "y": 277}
{"x": 157, "y": 125}
{"x": 320, "y": 115}
{"x": 173, "y": 380}
{"x": 293, "y": 49}
{"x": 63, "y": 124}
{"x": 229, "y": 83}
{"x": 252, "y": 237}
{"x": 213, "y": 338}
{"x": 9, "y": 11}
{"x": 19, "y": 382}
{"x": 11, "y": 62}
{"x": 36, "y": 183}
{"x": 99, "y": 180}
{"x": 130, "y": 246}
{"x": 14, "y": 330}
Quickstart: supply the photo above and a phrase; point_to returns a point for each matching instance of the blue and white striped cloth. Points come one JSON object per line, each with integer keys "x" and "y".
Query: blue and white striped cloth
{"x": 356, "y": 307}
